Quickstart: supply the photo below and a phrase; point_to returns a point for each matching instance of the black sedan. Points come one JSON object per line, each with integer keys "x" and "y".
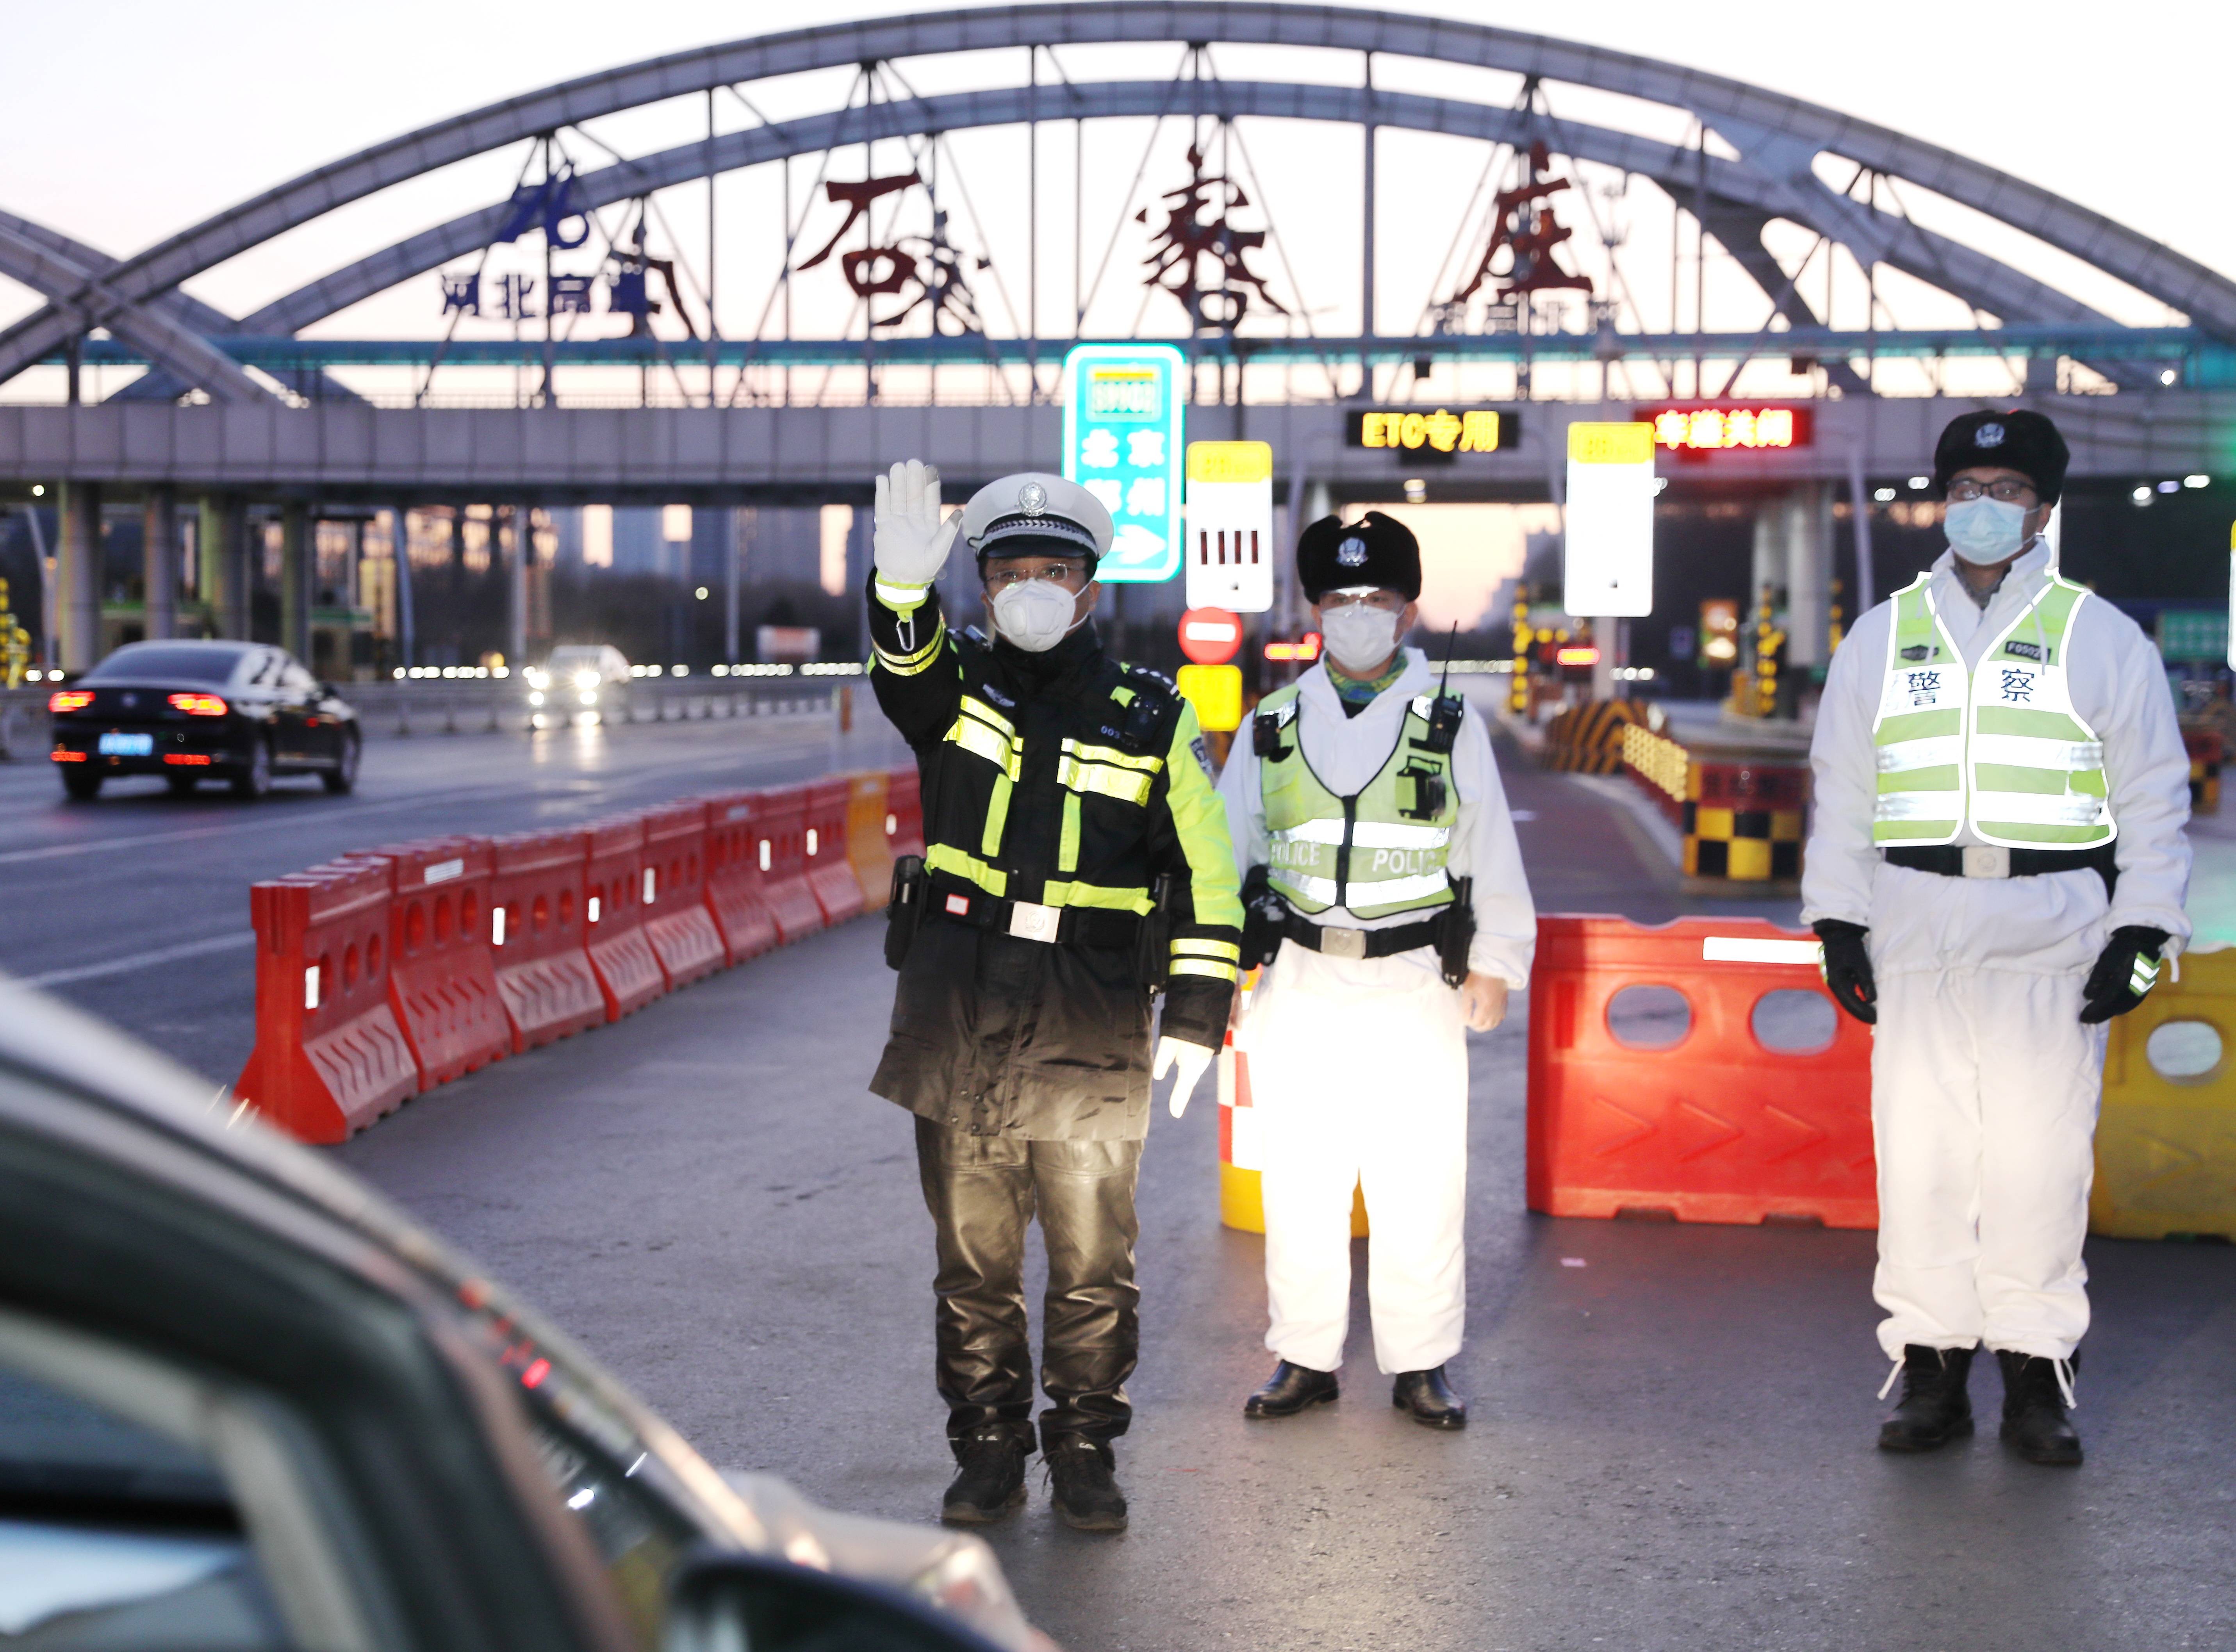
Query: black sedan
{"x": 197, "y": 711}
{"x": 246, "y": 1406}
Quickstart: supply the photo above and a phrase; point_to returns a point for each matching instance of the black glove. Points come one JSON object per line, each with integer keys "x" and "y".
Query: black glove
{"x": 1847, "y": 968}
{"x": 2127, "y": 968}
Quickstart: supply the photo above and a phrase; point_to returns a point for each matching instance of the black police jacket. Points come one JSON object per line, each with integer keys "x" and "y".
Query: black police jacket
{"x": 1058, "y": 789}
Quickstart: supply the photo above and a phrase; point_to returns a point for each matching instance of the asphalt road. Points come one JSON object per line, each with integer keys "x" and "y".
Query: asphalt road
{"x": 1673, "y": 1425}
{"x": 136, "y": 905}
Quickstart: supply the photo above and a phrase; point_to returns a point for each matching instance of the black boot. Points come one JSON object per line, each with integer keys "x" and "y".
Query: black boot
{"x": 1289, "y": 1390}
{"x": 1430, "y": 1397}
{"x": 1934, "y": 1408}
{"x": 1087, "y": 1493}
{"x": 990, "y": 1481}
{"x": 2035, "y": 1423}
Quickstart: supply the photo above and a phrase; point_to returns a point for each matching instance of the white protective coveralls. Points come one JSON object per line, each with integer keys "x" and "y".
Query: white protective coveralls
{"x": 1984, "y": 1083}
{"x": 1359, "y": 1067}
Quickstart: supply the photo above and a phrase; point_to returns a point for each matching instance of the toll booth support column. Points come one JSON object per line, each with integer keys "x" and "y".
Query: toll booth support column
{"x": 80, "y": 575}
{"x": 295, "y": 579}
{"x": 160, "y": 558}
{"x": 399, "y": 547}
{"x": 1808, "y": 573}
{"x": 523, "y": 546}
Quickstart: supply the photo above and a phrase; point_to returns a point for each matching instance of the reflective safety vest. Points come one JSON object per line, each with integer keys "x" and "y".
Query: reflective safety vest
{"x": 1998, "y": 748}
{"x": 1380, "y": 851}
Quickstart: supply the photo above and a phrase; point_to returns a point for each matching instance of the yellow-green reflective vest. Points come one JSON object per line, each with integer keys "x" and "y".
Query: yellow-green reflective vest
{"x": 1999, "y": 748}
{"x": 1378, "y": 853}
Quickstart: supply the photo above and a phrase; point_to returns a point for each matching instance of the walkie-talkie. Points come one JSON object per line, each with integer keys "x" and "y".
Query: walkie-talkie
{"x": 1447, "y": 708}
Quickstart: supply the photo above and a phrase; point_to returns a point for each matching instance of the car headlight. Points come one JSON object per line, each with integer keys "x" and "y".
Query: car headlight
{"x": 589, "y": 696}
{"x": 536, "y": 699}
{"x": 586, "y": 679}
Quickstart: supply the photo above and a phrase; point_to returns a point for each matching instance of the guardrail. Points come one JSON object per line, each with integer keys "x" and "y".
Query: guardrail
{"x": 478, "y": 706}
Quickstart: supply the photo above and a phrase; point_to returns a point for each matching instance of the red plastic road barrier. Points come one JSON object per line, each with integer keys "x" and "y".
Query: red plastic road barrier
{"x": 537, "y": 937}
{"x": 441, "y": 979}
{"x": 676, "y": 920}
{"x": 905, "y": 805}
{"x": 330, "y": 1058}
{"x": 782, "y": 822}
{"x": 613, "y": 907}
{"x": 733, "y": 876}
{"x": 829, "y": 874}
{"x": 1716, "y": 1126}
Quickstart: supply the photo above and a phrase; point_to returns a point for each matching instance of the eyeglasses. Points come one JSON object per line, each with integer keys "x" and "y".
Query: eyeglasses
{"x": 1390, "y": 602}
{"x": 1070, "y": 575}
{"x": 2004, "y": 492}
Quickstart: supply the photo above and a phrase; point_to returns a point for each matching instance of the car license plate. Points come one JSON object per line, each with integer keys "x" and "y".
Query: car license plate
{"x": 116, "y": 745}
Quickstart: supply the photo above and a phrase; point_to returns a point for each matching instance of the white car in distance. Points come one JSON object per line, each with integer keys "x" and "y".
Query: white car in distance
{"x": 579, "y": 681}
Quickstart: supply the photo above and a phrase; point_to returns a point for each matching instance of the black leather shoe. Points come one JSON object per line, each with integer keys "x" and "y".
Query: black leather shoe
{"x": 1289, "y": 1390}
{"x": 2035, "y": 1423}
{"x": 1430, "y": 1397}
{"x": 1934, "y": 1408}
{"x": 990, "y": 1480}
{"x": 1087, "y": 1493}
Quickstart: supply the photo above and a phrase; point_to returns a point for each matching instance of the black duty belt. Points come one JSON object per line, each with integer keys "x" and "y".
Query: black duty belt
{"x": 1334, "y": 942}
{"x": 1991, "y": 860}
{"x": 1057, "y": 925}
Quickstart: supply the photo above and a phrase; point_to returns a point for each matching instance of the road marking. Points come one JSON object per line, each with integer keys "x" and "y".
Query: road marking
{"x": 132, "y": 961}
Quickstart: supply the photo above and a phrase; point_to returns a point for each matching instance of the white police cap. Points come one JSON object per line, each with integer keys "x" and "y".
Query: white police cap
{"x": 1034, "y": 505}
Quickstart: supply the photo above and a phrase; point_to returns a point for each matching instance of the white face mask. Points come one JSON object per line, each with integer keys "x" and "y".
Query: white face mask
{"x": 1036, "y": 614}
{"x": 1984, "y": 531}
{"x": 1359, "y": 636}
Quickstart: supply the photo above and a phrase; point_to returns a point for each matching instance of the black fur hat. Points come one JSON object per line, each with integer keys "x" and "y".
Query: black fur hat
{"x": 2018, "y": 440}
{"x": 1374, "y": 550}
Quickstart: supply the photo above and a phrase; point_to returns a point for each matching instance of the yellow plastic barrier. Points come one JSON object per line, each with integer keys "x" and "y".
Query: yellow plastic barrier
{"x": 868, "y": 850}
{"x": 2166, "y": 1143}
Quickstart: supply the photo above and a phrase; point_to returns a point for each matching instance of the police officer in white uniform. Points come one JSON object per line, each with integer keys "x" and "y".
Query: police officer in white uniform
{"x": 1368, "y": 818}
{"x": 1997, "y": 866}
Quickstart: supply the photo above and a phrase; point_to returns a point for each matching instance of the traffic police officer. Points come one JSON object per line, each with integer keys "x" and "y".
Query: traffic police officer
{"x": 1077, "y": 859}
{"x": 1381, "y": 863}
{"x": 1997, "y": 866}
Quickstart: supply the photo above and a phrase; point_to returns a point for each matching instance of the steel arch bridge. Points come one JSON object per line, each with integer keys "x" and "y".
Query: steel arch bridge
{"x": 1755, "y": 159}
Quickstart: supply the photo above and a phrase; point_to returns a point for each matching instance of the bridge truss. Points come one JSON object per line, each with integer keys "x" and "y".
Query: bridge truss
{"x": 937, "y": 207}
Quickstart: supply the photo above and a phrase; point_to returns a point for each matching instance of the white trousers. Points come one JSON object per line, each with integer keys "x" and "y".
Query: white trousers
{"x": 1358, "y": 1070}
{"x": 1984, "y": 1095}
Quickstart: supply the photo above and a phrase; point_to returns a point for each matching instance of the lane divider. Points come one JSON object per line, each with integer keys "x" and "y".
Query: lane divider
{"x": 384, "y": 973}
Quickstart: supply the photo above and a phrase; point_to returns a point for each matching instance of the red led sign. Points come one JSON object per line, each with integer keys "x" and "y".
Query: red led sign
{"x": 1708, "y": 430}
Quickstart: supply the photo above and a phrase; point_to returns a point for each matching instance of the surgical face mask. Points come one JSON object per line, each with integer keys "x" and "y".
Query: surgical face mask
{"x": 1984, "y": 531}
{"x": 1034, "y": 613}
{"x": 1359, "y": 636}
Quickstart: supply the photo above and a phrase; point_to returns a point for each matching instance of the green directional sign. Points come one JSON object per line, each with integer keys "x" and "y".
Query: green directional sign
{"x": 2193, "y": 633}
{"x": 1122, "y": 443}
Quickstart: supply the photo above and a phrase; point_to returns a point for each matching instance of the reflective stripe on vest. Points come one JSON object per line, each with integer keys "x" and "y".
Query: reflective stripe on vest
{"x": 1361, "y": 853}
{"x": 2000, "y": 748}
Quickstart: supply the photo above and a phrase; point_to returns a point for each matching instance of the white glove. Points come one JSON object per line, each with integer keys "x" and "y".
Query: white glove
{"x": 911, "y": 542}
{"x": 1189, "y": 1060}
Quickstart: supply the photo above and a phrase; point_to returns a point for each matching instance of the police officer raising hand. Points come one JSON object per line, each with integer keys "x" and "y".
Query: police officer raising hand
{"x": 1076, "y": 872}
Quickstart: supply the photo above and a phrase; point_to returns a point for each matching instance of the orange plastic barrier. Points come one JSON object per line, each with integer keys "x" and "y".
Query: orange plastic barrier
{"x": 676, "y": 920}
{"x": 329, "y": 1058}
{"x": 614, "y": 907}
{"x": 441, "y": 978}
{"x": 733, "y": 876}
{"x": 537, "y": 937}
{"x": 905, "y": 802}
{"x": 838, "y": 892}
{"x": 869, "y": 838}
{"x": 782, "y": 821}
{"x": 1716, "y": 1126}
